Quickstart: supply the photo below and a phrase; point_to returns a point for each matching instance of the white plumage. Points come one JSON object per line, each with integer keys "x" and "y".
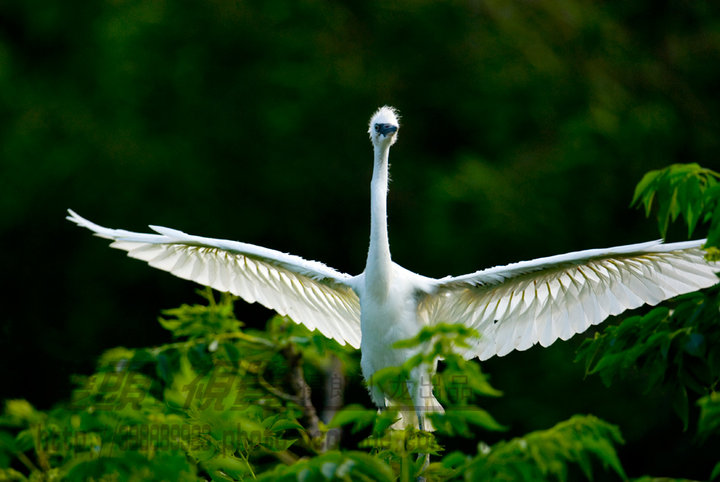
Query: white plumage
{"x": 513, "y": 307}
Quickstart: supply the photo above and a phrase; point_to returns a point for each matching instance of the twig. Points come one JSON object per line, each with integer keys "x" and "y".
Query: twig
{"x": 275, "y": 391}
{"x": 297, "y": 381}
{"x": 334, "y": 398}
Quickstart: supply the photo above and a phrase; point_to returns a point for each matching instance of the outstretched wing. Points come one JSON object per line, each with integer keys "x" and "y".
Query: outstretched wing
{"x": 307, "y": 291}
{"x": 516, "y": 306}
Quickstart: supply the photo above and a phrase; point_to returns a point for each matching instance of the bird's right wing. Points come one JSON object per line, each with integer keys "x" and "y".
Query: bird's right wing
{"x": 307, "y": 291}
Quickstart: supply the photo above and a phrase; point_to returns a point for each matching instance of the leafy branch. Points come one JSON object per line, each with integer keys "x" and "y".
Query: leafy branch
{"x": 682, "y": 190}
{"x": 546, "y": 454}
{"x": 677, "y": 348}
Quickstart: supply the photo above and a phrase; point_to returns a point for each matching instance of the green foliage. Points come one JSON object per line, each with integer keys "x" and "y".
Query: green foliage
{"x": 170, "y": 413}
{"x": 547, "y": 454}
{"x": 682, "y": 190}
{"x": 230, "y": 404}
{"x": 673, "y": 349}
{"x": 677, "y": 350}
{"x": 709, "y": 421}
{"x": 346, "y": 466}
{"x": 197, "y": 321}
{"x": 542, "y": 455}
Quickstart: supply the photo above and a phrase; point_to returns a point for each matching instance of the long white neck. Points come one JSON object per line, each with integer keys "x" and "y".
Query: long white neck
{"x": 377, "y": 268}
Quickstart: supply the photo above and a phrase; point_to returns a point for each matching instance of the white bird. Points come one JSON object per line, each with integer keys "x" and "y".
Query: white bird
{"x": 513, "y": 307}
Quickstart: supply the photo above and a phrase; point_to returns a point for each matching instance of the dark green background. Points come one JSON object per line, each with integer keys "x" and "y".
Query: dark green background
{"x": 525, "y": 128}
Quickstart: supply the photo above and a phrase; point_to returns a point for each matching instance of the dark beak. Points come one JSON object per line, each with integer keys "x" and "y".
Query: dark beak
{"x": 386, "y": 129}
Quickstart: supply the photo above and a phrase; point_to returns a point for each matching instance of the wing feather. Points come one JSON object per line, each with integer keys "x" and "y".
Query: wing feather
{"x": 307, "y": 291}
{"x": 518, "y": 305}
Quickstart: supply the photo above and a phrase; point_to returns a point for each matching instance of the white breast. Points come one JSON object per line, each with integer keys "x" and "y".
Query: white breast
{"x": 389, "y": 319}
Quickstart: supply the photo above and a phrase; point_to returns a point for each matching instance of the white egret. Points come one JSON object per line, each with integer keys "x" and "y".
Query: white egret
{"x": 513, "y": 307}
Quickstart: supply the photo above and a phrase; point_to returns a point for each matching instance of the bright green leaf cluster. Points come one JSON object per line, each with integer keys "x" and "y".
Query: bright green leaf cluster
{"x": 686, "y": 190}
{"x": 198, "y": 320}
{"x": 544, "y": 455}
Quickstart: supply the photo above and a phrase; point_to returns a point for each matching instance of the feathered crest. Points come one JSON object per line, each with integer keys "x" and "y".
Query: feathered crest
{"x": 384, "y": 115}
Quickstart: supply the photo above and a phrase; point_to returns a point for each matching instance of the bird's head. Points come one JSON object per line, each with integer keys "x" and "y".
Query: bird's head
{"x": 384, "y": 126}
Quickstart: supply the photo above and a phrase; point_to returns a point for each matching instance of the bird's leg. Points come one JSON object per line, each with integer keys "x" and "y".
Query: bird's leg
{"x": 420, "y": 478}
{"x": 421, "y": 393}
{"x": 420, "y": 389}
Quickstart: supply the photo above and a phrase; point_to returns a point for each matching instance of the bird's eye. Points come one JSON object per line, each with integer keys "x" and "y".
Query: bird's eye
{"x": 377, "y": 127}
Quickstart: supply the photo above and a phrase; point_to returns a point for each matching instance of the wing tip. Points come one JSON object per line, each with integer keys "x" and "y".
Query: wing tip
{"x": 75, "y": 217}
{"x": 97, "y": 230}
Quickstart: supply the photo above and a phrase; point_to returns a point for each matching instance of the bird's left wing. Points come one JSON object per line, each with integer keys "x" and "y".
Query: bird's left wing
{"x": 307, "y": 291}
{"x": 516, "y": 306}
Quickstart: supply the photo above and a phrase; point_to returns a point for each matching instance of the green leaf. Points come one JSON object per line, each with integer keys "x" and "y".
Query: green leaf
{"x": 482, "y": 418}
{"x": 357, "y": 415}
{"x": 384, "y": 420}
{"x": 709, "y": 421}
{"x": 167, "y": 364}
{"x": 285, "y": 424}
{"x": 11, "y": 474}
{"x": 716, "y": 472}
{"x": 680, "y": 405}
{"x": 644, "y": 187}
{"x": 692, "y": 200}
{"x": 454, "y": 459}
{"x": 713, "y": 239}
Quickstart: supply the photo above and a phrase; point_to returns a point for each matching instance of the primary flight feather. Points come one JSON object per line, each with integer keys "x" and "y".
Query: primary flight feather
{"x": 513, "y": 307}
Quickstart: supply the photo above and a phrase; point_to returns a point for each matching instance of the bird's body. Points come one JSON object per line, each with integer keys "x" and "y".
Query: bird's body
{"x": 512, "y": 307}
{"x": 389, "y": 311}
